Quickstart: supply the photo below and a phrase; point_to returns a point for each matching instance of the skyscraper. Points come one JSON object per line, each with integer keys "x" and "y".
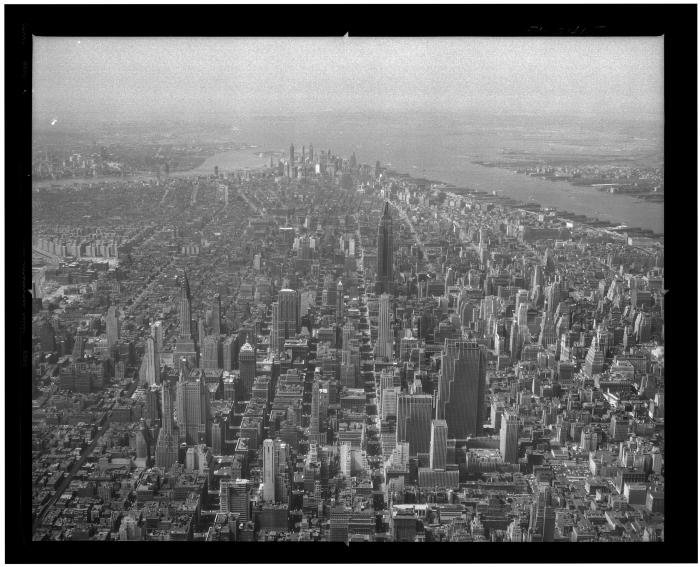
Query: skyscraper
{"x": 285, "y": 318}
{"x": 595, "y": 359}
{"x": 385, "y": 253}
{"x": 340, "y": 302}
{"x": 269, "y": 470}
{"x": 167, "y": 445}
{"x": 228, "y": 353}
{"x": 509, "y": 438}
{"x": 185, "y": 308}
{"x": 193, "y": 412}
{"x": 275, "y": 329}
{"x": 438, "y": 444}
{"x": 548, "y": 334}
{"x": 246, "y": 364}
{"x": 211, "y": 356}
{"x": 150, "y": 364}
{"x": 157, "y": 334}
{"x": 461, "y": 388}
{"x": 315, "y": 433}
{"x": 185, "y": 346}
{"x": 384, "y": 338}
{"x": 413, "y": 417}
{"x": 216, "y": 316}
{"x": 113, "y": 326}
{"x": 143, "y": 441}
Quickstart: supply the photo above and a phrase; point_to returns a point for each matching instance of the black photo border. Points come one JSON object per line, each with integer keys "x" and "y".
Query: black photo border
{"x": 677, "y": 24}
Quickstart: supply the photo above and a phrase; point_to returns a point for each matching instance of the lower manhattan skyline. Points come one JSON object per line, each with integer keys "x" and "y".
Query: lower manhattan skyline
{"x": 357, "y": 289}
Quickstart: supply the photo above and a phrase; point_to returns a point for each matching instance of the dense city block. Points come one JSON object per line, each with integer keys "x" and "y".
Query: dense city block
{"x": 320, "y": 349}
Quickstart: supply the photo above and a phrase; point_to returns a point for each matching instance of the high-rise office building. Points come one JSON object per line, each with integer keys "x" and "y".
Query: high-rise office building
{"x": 246, "y": 365}
{"x": 113, "y": 326}
{"x": 521, "y": 314}
{"x": 193, "y": 413}
{"x": 234, "y": 498}
{"x": 275, "y": 346}
{"x": 201, "y": 331}
{"x": 285, "y": 318}
{"x": 291, "y": 154}
{"x": 384, "y": 333}
{"x": 510, "y": 430}
{"x": 229, "y": 353}
{"x": 185, "y": 308}
{"x": 211, "y": 356}
{"x": 385, "y": 253}
{"x": 143, "y": 441}
{"x": 157, "y": 334}
{"x": 216, "y": 316}
{"x": 514, "y": 341}
{"x": 340, "y": 302}
{"x": 269, "y": 470}
{"x": 461, "y": 388}
{"x": 315, "y": 434}
{"x": 185, "y": 347}
{"x": 150, "y": 364}
{"x": 413, "y": 417}
{"x": 167, "y": 444}
{"x": 595, "y": 359}
{"x": 438, "y": 444}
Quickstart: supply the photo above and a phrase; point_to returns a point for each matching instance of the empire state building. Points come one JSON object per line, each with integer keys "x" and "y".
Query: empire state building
{"x": 185, "y": 347}
{"x": 385, "y": 253}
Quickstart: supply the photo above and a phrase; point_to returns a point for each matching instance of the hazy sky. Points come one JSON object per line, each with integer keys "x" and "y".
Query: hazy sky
{"x": 127, "y": 78}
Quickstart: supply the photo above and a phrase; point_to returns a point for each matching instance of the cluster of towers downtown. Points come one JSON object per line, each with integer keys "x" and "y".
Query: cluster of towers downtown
{"x": 424, "y": 422}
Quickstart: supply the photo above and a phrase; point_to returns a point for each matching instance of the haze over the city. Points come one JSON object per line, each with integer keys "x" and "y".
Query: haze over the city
{"x": 212, "y": 78}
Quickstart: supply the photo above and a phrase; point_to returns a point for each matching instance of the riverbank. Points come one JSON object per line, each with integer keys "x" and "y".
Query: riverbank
{"x": 639, "y": 189}
{"x": 530, "y": 205}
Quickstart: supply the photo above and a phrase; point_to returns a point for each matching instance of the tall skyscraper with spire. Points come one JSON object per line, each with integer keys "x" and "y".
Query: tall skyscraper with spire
{"x": 339, "y": 303}
{"x": 167, "y": 444}
{"x": 216, "y": 316}
{"x": 385, "y": 253}
{"x": 315, "y": 434}
{"x": 185, "y": 346}
{"x": 185, "y": 308}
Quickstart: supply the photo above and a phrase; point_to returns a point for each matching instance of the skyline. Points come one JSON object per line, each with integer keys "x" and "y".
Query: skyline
{"x": 222, "y": 78}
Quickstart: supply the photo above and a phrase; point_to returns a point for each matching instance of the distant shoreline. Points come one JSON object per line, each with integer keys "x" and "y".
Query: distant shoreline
{"x": 585, "y": 220}
{"x": 648, "y": 196}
